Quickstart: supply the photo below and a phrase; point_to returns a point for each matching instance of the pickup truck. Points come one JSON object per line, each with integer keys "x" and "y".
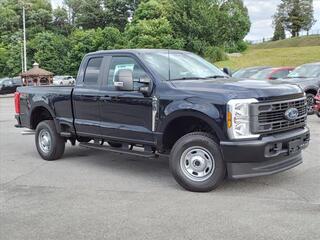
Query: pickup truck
{"x": 171, "y": 103}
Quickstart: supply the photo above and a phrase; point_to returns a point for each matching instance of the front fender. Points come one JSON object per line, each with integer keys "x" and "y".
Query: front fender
{"x": 213, "y": 115}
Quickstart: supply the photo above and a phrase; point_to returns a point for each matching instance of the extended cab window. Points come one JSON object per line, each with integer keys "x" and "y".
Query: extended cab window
{"x": 91, "y": 74}
{"x": 118, "y": 63}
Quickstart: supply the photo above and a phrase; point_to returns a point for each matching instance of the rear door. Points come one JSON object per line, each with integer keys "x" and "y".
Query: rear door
{"x": 126, "y": 115}
{"x": 86, "y": 98}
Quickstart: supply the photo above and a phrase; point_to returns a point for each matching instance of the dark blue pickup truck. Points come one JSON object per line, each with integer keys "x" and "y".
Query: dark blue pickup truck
{"x": 171, "y": 103}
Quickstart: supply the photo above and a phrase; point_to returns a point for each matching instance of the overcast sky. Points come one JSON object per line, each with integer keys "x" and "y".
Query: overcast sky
{"x": 261, "y": 12}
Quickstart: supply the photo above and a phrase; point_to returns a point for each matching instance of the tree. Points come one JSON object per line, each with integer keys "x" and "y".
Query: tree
{"x": 9, "y": 20}
{"x": 233, "y": 25}
{"x": 50, "y": 51}
{"x": 279, "y": 32}
{"x": 204, "y": 23}
{"x": 118, "y": 12}
{"x": 90, "y": 14}
{"x": 60, "y": 21}
{"x": 295, "y": 15}
{"x": 153, "y": 33}
{"x": 151, "y": 9}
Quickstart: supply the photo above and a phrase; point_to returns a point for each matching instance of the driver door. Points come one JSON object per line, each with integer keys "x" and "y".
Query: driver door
{"x": 125, "y": 115}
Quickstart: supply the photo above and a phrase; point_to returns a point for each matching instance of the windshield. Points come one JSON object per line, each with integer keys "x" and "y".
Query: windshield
{"x": 264, "y": 74}
{"x": 305, "y": 71}
{"x": 183, "y": 66}
{"x": 3, "y": 79}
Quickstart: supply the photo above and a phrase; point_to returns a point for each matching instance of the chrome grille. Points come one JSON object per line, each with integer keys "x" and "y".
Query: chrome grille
{"x": 270, "y": 117}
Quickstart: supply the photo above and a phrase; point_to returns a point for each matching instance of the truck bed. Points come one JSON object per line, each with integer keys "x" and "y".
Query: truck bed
{"x": 58, "y": 98}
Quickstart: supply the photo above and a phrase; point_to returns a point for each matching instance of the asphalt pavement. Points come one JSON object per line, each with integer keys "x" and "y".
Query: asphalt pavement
{"x": 90, "y": 194}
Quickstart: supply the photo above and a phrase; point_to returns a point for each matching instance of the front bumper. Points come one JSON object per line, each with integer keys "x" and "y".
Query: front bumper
{"x": 268, "y": 155}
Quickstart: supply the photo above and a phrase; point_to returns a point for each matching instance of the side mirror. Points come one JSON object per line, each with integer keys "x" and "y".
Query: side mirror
{"x": 124, "y": 81}
{"x": 227, "y": 71}
{"x": 147, "y": 86}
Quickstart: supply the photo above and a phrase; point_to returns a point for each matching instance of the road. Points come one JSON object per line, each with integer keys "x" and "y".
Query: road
{"x": 97, "y": 195}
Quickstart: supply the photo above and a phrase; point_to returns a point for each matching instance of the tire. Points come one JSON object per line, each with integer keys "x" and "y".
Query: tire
{"x": 115, "y": 144}
{"x": 310, "y": 102}
{"x": 318, "y": 114}
{"x": 190, "y": 159}
{"x": 50, "y": 144}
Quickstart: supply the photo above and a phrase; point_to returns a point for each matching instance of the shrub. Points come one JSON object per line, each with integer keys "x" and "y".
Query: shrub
{"x": 215, "y": 54}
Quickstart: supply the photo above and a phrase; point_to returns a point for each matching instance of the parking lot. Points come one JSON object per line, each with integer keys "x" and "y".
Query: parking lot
{"x": 94, "y": 195}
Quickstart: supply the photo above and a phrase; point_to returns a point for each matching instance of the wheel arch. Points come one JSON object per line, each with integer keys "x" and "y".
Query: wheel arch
{"x": 39, "y": 113}
{"x": 181, "y": 122}
{"x": 311, "y": 90}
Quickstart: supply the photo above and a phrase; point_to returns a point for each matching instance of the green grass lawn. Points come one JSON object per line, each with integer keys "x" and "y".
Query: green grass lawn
{"x": 305, "y": 41}
{"x": 292, "y": 56}
{"x": 288, "y": 52}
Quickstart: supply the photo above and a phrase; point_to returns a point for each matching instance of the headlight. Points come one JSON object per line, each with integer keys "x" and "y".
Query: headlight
{"x": 238, "y": 119}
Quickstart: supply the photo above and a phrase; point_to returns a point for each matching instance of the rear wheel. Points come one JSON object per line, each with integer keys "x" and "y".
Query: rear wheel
{"x": 196, "y": 162}
{"x": 310, "y": 103}
{"x": 50, "y": 144}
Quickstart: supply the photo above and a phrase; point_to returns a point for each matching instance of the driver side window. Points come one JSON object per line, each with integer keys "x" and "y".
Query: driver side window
{"x": 127, "y": 63}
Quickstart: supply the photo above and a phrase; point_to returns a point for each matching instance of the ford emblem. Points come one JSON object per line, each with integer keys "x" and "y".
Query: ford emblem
{"x": 291, "y": 114}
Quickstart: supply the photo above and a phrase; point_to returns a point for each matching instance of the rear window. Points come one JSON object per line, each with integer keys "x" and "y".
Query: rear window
{"x": 91, "y": 74}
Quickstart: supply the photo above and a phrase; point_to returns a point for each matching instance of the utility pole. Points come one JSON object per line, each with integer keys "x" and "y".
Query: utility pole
{"x": 24, "y": 39}
{"x": 22, "y": 61}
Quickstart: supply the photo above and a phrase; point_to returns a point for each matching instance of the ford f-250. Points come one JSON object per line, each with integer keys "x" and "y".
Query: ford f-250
{"x": 173, "y": 103}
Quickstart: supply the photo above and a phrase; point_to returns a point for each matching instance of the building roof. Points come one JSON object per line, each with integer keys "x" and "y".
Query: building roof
{"x": 36, "y": 72}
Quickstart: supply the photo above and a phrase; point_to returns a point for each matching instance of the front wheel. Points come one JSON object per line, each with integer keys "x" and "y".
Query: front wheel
{"x": 196, "y": 162}
{"x": 50, "y": 144}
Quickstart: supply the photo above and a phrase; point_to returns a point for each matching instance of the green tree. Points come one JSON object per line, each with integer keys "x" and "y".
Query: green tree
{"x": 233, "y": 25}
{"x": 150, "y": 9}
{"x": 153, "y": 33}
{"x": 81, "y": 42}
{"x": 295, "y": 15}
{"x": 50, "y": 51}
{"x": 118, "y": 12}
{"x": 90, "y": 14}
{"x": 109, "y": 38}
{"x": 9, "y": 20}
{"x": 279, "y": 32}
{"x": 60, "y": 21}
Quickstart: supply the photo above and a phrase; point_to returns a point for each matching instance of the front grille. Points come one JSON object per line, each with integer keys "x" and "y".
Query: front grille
{"x": 270, "y": 117}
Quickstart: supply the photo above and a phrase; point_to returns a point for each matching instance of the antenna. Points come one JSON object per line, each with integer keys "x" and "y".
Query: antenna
{"x": 169, "y": 68}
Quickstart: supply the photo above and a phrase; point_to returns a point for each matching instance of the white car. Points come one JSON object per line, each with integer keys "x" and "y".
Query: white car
{"x": 63, "y": 80}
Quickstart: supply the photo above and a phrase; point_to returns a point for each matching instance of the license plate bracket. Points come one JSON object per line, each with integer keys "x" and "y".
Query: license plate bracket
{"x": 295, "y": 146}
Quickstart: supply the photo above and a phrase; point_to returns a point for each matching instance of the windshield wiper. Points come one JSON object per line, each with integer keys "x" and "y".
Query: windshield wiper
{"x": 201, "y": 78}
{"x": 216, "y": 76}
{"x": 186, "y": 78}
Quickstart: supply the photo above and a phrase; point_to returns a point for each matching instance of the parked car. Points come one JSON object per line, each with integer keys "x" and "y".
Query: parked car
{"x": 246, "y": 73}
{"x": 317, "y": 103}
{"x": 9, "y": 85}
{"x": 63, "y": 80}
{"x": 307, "y": 77}
{"x": 273, "y": 73}
{"x": 209, "y": 125}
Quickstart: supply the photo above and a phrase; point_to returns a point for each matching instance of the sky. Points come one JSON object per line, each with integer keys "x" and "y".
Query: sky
{"x": 261, "y": 12}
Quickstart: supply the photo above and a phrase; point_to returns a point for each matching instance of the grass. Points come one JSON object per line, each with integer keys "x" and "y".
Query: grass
{"x": 289, "y": 52}
{"x": 306, "y": 41}
{"x": 276, "y": 57}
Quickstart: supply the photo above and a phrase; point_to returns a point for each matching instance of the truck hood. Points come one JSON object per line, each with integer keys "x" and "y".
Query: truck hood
{"x": 299, "y": 80}
{"x": 239, "y": 88}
